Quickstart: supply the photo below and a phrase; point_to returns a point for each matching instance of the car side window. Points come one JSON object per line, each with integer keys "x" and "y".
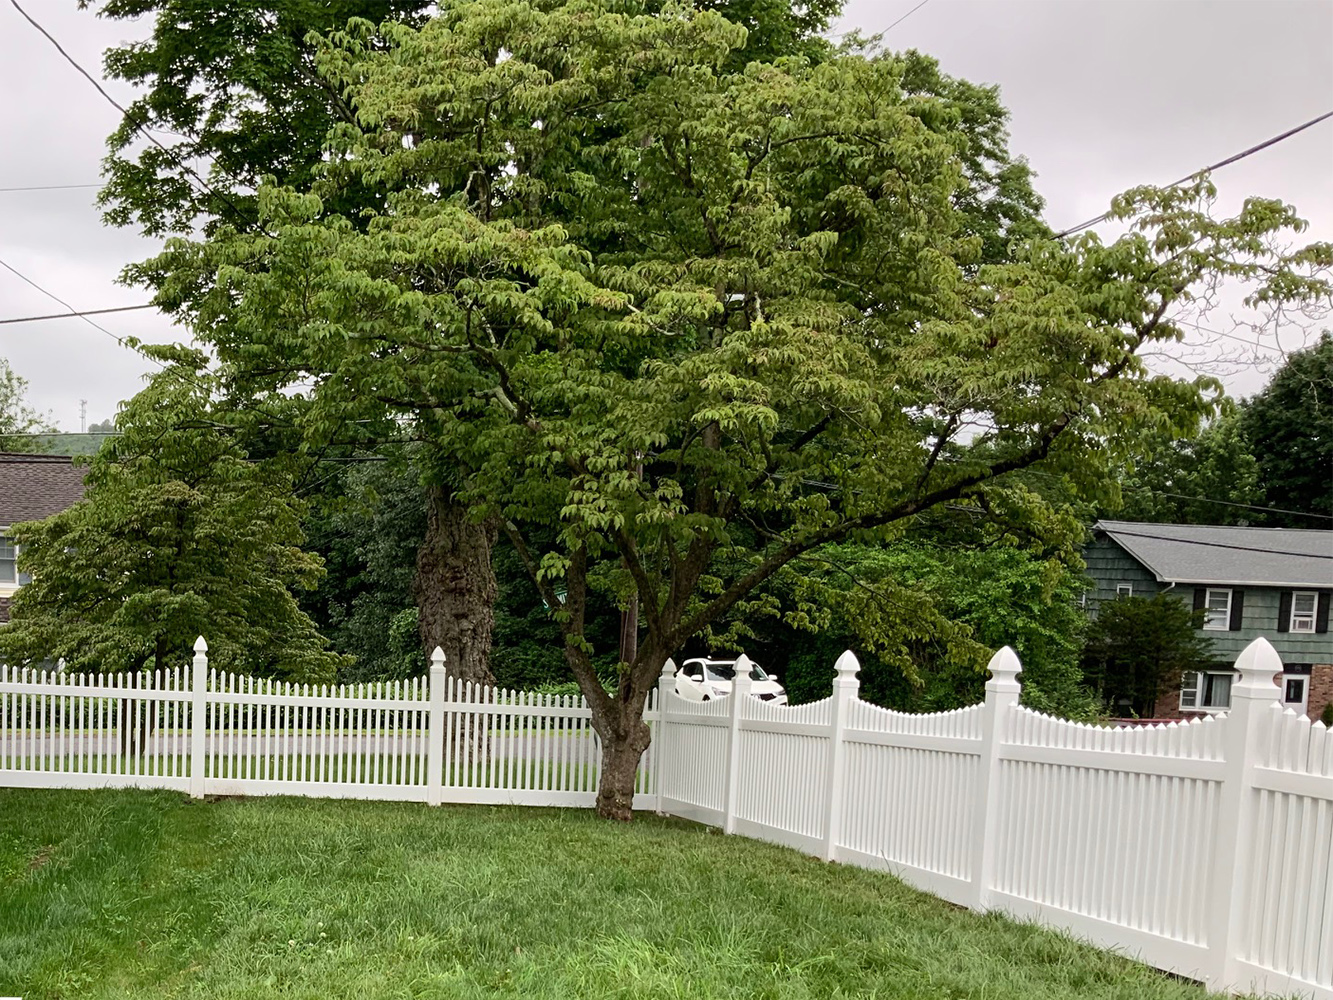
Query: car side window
{"x": 694, "y": 672}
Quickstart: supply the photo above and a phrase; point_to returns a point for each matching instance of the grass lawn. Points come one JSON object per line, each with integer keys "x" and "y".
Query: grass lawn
{"x": 144, "y": 894}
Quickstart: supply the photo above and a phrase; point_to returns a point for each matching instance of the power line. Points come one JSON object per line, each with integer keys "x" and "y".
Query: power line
{"x": 79, "y": 314}
{"x": 1219, "y": 545}
{"x": 48, "y": 187}
{"x": 905, "y": 16}
{"x": 138, "y": 127}
{"x": 1247, "y": 506}
{"x": 56, "y": 298}
{"x": 138, "y": 350}
{"x": 1216, "y": 166}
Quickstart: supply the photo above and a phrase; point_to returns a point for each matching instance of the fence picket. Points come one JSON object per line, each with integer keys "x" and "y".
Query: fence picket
{"x": 1204, "y": 847}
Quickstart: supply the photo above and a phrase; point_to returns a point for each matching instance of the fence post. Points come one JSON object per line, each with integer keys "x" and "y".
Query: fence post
{"x": 198, "y": 716}
{"x": 845, "y": 688}
{"x": 1251, "y": 699}
{"x": 666, "y": 684}
{"x": 435, "y": 731}
{"x": 740, "y": 691}
{"x": 1002, "y": 693}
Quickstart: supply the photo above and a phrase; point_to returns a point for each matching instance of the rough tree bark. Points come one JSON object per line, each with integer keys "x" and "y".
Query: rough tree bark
{"x": 455, "y": 587}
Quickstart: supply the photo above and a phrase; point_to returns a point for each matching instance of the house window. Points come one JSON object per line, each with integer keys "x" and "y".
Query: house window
{"x": 8, "y": 563}
{"x": 1124, "y": 590}
{"x": 1217, "y": 610}
{"x": 1303, "y": 604}
{"x": 1206, "y": 690}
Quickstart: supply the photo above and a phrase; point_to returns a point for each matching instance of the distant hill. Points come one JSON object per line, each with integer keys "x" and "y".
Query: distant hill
{"x": 70, "y": 444}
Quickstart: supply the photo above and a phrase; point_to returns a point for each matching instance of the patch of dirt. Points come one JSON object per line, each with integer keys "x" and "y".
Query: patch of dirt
{"x": 41, "y": 857}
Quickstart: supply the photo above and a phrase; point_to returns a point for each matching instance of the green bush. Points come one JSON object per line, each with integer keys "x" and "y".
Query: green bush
{"x": 1327, "y": 717}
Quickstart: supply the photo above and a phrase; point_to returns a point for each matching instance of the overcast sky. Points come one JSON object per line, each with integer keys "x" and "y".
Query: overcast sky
{"x": 1105, "y": 94}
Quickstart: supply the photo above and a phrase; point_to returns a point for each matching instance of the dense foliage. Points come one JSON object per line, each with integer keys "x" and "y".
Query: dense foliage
{"x": 672, "y": 324}
{"x": 178, "y": 536}
{"x": 925, "y": 618}
{"x": 1210, "y": 478}
{"x": 1138, "y": 648}
{"x": 1289, "y": 426}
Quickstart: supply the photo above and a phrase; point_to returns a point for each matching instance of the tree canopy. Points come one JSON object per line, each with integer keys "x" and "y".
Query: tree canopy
{"x": 677, "y": 325}
{"x": 1289, "y": 426}
{"x": 1139, "y": 647}
{"x": 178, "y": 535}
{"x": 1208, "y": 478}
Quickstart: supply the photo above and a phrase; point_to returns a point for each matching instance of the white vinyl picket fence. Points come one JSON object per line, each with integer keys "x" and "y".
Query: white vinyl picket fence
{"x": 1204, "y": 848}
{"x": 432, "y": 739}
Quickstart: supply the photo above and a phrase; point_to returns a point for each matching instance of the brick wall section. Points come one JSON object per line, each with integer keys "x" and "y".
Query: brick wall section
{"x": 1321, "y": 694}
{"x": 1321, "y": 688}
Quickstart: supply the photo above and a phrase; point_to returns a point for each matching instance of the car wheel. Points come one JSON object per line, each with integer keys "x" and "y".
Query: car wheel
{"x": 705, "y": 698}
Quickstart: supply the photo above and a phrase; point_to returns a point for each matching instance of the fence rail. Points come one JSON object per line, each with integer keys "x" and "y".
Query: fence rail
{"x": 434, "y": 739}
{"x": 1203, "y": 847}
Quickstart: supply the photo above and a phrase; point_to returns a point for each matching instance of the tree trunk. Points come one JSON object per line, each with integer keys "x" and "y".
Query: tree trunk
{"x": 625, "y": 736}
{"x": 455, "y": 587}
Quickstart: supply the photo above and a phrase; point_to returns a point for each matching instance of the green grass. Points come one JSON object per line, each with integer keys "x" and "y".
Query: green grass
{"x": 140, "y": 894}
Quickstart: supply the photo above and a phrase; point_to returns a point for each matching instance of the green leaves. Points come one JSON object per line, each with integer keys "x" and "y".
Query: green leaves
{"x": 677, "y": 322}
{"x": 179, "y": 535}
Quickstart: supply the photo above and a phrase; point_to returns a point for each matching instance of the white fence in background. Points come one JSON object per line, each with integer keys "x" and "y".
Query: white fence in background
{"x": 1204, "y": 848}
{"x": 432, "y": 739}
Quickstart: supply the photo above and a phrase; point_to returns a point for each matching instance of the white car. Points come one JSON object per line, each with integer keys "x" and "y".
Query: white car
{"x": 699, "y": 679}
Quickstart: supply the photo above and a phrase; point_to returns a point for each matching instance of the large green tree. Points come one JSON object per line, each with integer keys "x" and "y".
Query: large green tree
{"x": 675, "y": 326}
{"x": 178, "y": 536}
{"x": 1289, "y": 427}
{"x": 217, "y": 88}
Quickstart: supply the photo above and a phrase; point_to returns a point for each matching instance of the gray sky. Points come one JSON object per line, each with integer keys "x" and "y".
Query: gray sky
{"x": 1105, "y": 94}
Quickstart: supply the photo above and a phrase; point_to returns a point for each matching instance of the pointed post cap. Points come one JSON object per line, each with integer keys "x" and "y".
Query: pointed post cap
{"x": 1258, "y": 664}
{"x": 668, "y": 669}
{"x": 743, "y": 667}
{"x": 201, "y": 645}
{"x": 1004, "y": 668}
{"x": 847, "y": 666}
{"x": 437, "y": 659}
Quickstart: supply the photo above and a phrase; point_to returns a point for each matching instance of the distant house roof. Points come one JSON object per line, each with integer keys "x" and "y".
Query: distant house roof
{"x": 36, "y": 486}
{"x": 1212, "y": 554}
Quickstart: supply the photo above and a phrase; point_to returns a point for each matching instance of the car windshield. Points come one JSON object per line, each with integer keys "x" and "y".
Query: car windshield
{"x": 727, "y": 672}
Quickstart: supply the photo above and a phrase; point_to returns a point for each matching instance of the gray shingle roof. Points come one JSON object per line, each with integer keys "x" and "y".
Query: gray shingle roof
{"x": 1200, "y": 553}
{"x": 36, "y": 486}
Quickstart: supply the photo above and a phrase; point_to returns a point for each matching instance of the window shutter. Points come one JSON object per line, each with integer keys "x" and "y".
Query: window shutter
{"x": 1237, "y": 610}
{"x": 1200, "y": 598}
{"x": 1284, "y": 612}
{"x": 1321, "y": 614}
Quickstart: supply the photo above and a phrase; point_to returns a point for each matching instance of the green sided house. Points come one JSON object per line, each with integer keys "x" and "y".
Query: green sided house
{"x": 1249, "y": 582}
{"x": 32, "y": 487}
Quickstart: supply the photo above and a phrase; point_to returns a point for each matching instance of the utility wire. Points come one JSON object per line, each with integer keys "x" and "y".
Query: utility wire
{"x": 138, "y": 350}
{"x": 1247, "y": 506}
{"x": 905, "y": 16}
{"x": 48, "y": 187}
{"x": 74, "y": 312}
{"x": 79, "y": 314}
{"x": 1209, "y": 169}
{"x": 138, "y": 127}
{"x": 1220, "y": 545}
